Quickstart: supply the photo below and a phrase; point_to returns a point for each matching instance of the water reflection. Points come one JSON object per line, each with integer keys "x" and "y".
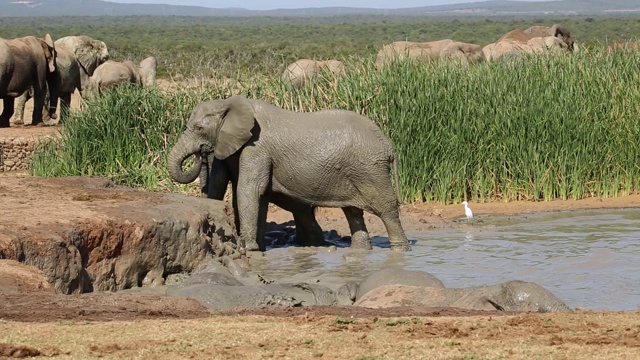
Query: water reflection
{"x": 587, "y": 258}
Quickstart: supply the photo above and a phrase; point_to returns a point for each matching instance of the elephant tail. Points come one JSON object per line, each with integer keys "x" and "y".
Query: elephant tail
{"x": 396, "y": 178}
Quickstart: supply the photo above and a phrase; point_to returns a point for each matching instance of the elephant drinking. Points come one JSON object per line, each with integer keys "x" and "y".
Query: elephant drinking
{"x": 329, "y": 158}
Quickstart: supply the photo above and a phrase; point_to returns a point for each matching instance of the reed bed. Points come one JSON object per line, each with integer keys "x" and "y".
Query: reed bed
{"x": 534, "y": 128}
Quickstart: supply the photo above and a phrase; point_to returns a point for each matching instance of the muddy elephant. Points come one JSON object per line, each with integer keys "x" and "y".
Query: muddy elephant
{"x": 113, "y": 73}
{"x": 27, "y": 62}
{"x": 445, "y": 49}
{"x": 330, "y": 158}
{"x": 507, "y": 296}
{"x": 536, "y": 39}
{"x": 305, "y": 70}
{"x": 77, "y": 57}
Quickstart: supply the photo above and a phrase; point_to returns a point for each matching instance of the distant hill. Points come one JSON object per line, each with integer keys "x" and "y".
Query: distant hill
{"x": 17, "y": 8}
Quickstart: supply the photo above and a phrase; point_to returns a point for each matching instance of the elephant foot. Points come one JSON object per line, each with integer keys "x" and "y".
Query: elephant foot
{"x": 18, "y": 122}
{"x": 251, "y": 245}
{"x": 400, "y": 247}
{"x": 361, "y": 240}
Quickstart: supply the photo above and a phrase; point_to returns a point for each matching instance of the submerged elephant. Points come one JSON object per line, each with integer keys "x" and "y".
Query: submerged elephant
{"x": 77, "y": 57}
{"x": 113, "y": 73}
{"x": 330, "y": 158}
{"x": 445, "y": 49}
{"x": 536, "y": 39}
{"x": 305, "y": 70}
{"x": 27, "y": 62}
{"x": 508, "y": 296}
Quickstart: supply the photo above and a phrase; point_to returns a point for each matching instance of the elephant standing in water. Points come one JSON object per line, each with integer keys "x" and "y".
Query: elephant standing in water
{"x": 113, "y": 73}
{"x": 330, "y": 158}
{"x": 77, "y": 58}
{"x": 305, "y": 70}
{"x": 27, "y": 62}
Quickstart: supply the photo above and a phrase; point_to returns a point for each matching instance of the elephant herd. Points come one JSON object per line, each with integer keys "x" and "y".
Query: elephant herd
{"x": 46, "y": 71}
{"x": 536, "y": 39}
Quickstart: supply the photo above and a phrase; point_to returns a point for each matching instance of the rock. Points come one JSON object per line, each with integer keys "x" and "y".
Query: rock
{"x": 397, "y": 277}
{"x": 225, "y": 297}
{"x": 18, "y": 278}
{"x": 88, "y": 234}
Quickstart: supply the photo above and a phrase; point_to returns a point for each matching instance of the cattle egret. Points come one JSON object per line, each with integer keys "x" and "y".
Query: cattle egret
{"x": 467, "y": 210}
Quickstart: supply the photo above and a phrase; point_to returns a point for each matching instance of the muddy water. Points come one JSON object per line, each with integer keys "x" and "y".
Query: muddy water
{"x": 589, "y": 259}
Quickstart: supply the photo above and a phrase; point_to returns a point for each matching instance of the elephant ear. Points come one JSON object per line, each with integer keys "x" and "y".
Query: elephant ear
{"x": 235, "y": 131}
{"x": 87, "y": 56}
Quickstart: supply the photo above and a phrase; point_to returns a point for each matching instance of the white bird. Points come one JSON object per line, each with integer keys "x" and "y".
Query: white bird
{"x": 467, "y": 210}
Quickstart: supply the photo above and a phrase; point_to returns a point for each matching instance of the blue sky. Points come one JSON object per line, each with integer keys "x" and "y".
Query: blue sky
{"x": 290, "y": 4}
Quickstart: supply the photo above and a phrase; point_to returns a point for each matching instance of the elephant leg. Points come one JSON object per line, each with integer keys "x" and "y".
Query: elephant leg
{"x": 18, "y": 115}
{"x": 391, "y": 218}
{"x": 39, "y": 100}
{"x": 65, "y": 105}
{"x": 7, "y": 112}
{"x": 308, "y": 231}
{"x": 253, "y": 180}
{"x": 359, "y": 234}
{"x": 381, "y": 200}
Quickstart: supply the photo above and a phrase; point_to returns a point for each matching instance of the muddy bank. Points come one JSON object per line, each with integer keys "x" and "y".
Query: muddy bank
{"x": 87, "y": 234}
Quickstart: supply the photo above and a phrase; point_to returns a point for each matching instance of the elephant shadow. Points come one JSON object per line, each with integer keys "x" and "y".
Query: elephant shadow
{"x": 282, "y": 235}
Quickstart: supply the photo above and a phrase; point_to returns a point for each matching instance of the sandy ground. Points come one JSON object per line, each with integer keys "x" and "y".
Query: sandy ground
{"x": 36, "y": 322}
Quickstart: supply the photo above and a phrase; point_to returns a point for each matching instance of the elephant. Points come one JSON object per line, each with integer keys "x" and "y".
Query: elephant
{"x": 536, "y": 39}
{"x": 112, "y": 73}
{"x": 304, "y": 70}
{"x": 329, "y": 158}
{"x": 507, "y": 296}
{"x": 28, "y": 62}
{"x": 445, "y": 49}
{"x": 77, "y": 58}
{"x": 623, "y": 45}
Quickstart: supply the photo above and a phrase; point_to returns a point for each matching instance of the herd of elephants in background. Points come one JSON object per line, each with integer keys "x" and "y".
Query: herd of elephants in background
{"x": 249, "y": 143}
{"x": 47, "y": 70}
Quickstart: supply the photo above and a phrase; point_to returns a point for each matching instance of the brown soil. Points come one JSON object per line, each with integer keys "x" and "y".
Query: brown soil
{"x": 36, "y": 322}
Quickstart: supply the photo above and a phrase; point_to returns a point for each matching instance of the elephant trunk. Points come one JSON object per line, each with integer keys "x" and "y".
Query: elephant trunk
{"x": 183, "y": 149}
{"x": 207, "y": 163}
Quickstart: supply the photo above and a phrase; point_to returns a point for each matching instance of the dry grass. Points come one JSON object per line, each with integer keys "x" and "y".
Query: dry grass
{"x": 584, "y": 335}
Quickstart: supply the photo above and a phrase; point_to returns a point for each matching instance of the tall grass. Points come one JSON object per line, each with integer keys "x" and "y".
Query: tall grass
{"x": 534, "y": 128}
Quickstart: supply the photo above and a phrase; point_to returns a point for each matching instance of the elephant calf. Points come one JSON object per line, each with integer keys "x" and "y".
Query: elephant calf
{"x": 329, "y": 158}
{"x": 113, "y": 73}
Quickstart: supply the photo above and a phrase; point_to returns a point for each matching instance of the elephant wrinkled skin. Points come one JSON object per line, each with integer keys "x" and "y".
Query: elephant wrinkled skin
{"x": 305, "y": 70}
{"x": 330, "y": 158}
{"x": 77, "y": 58}
{"x": 445, "y": 49}
{"x": 24, "y": 63}
{"x": 113, "y": 73}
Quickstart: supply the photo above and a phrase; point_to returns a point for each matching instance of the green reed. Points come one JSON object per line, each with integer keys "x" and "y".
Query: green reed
{"x": 534, "y": 128}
